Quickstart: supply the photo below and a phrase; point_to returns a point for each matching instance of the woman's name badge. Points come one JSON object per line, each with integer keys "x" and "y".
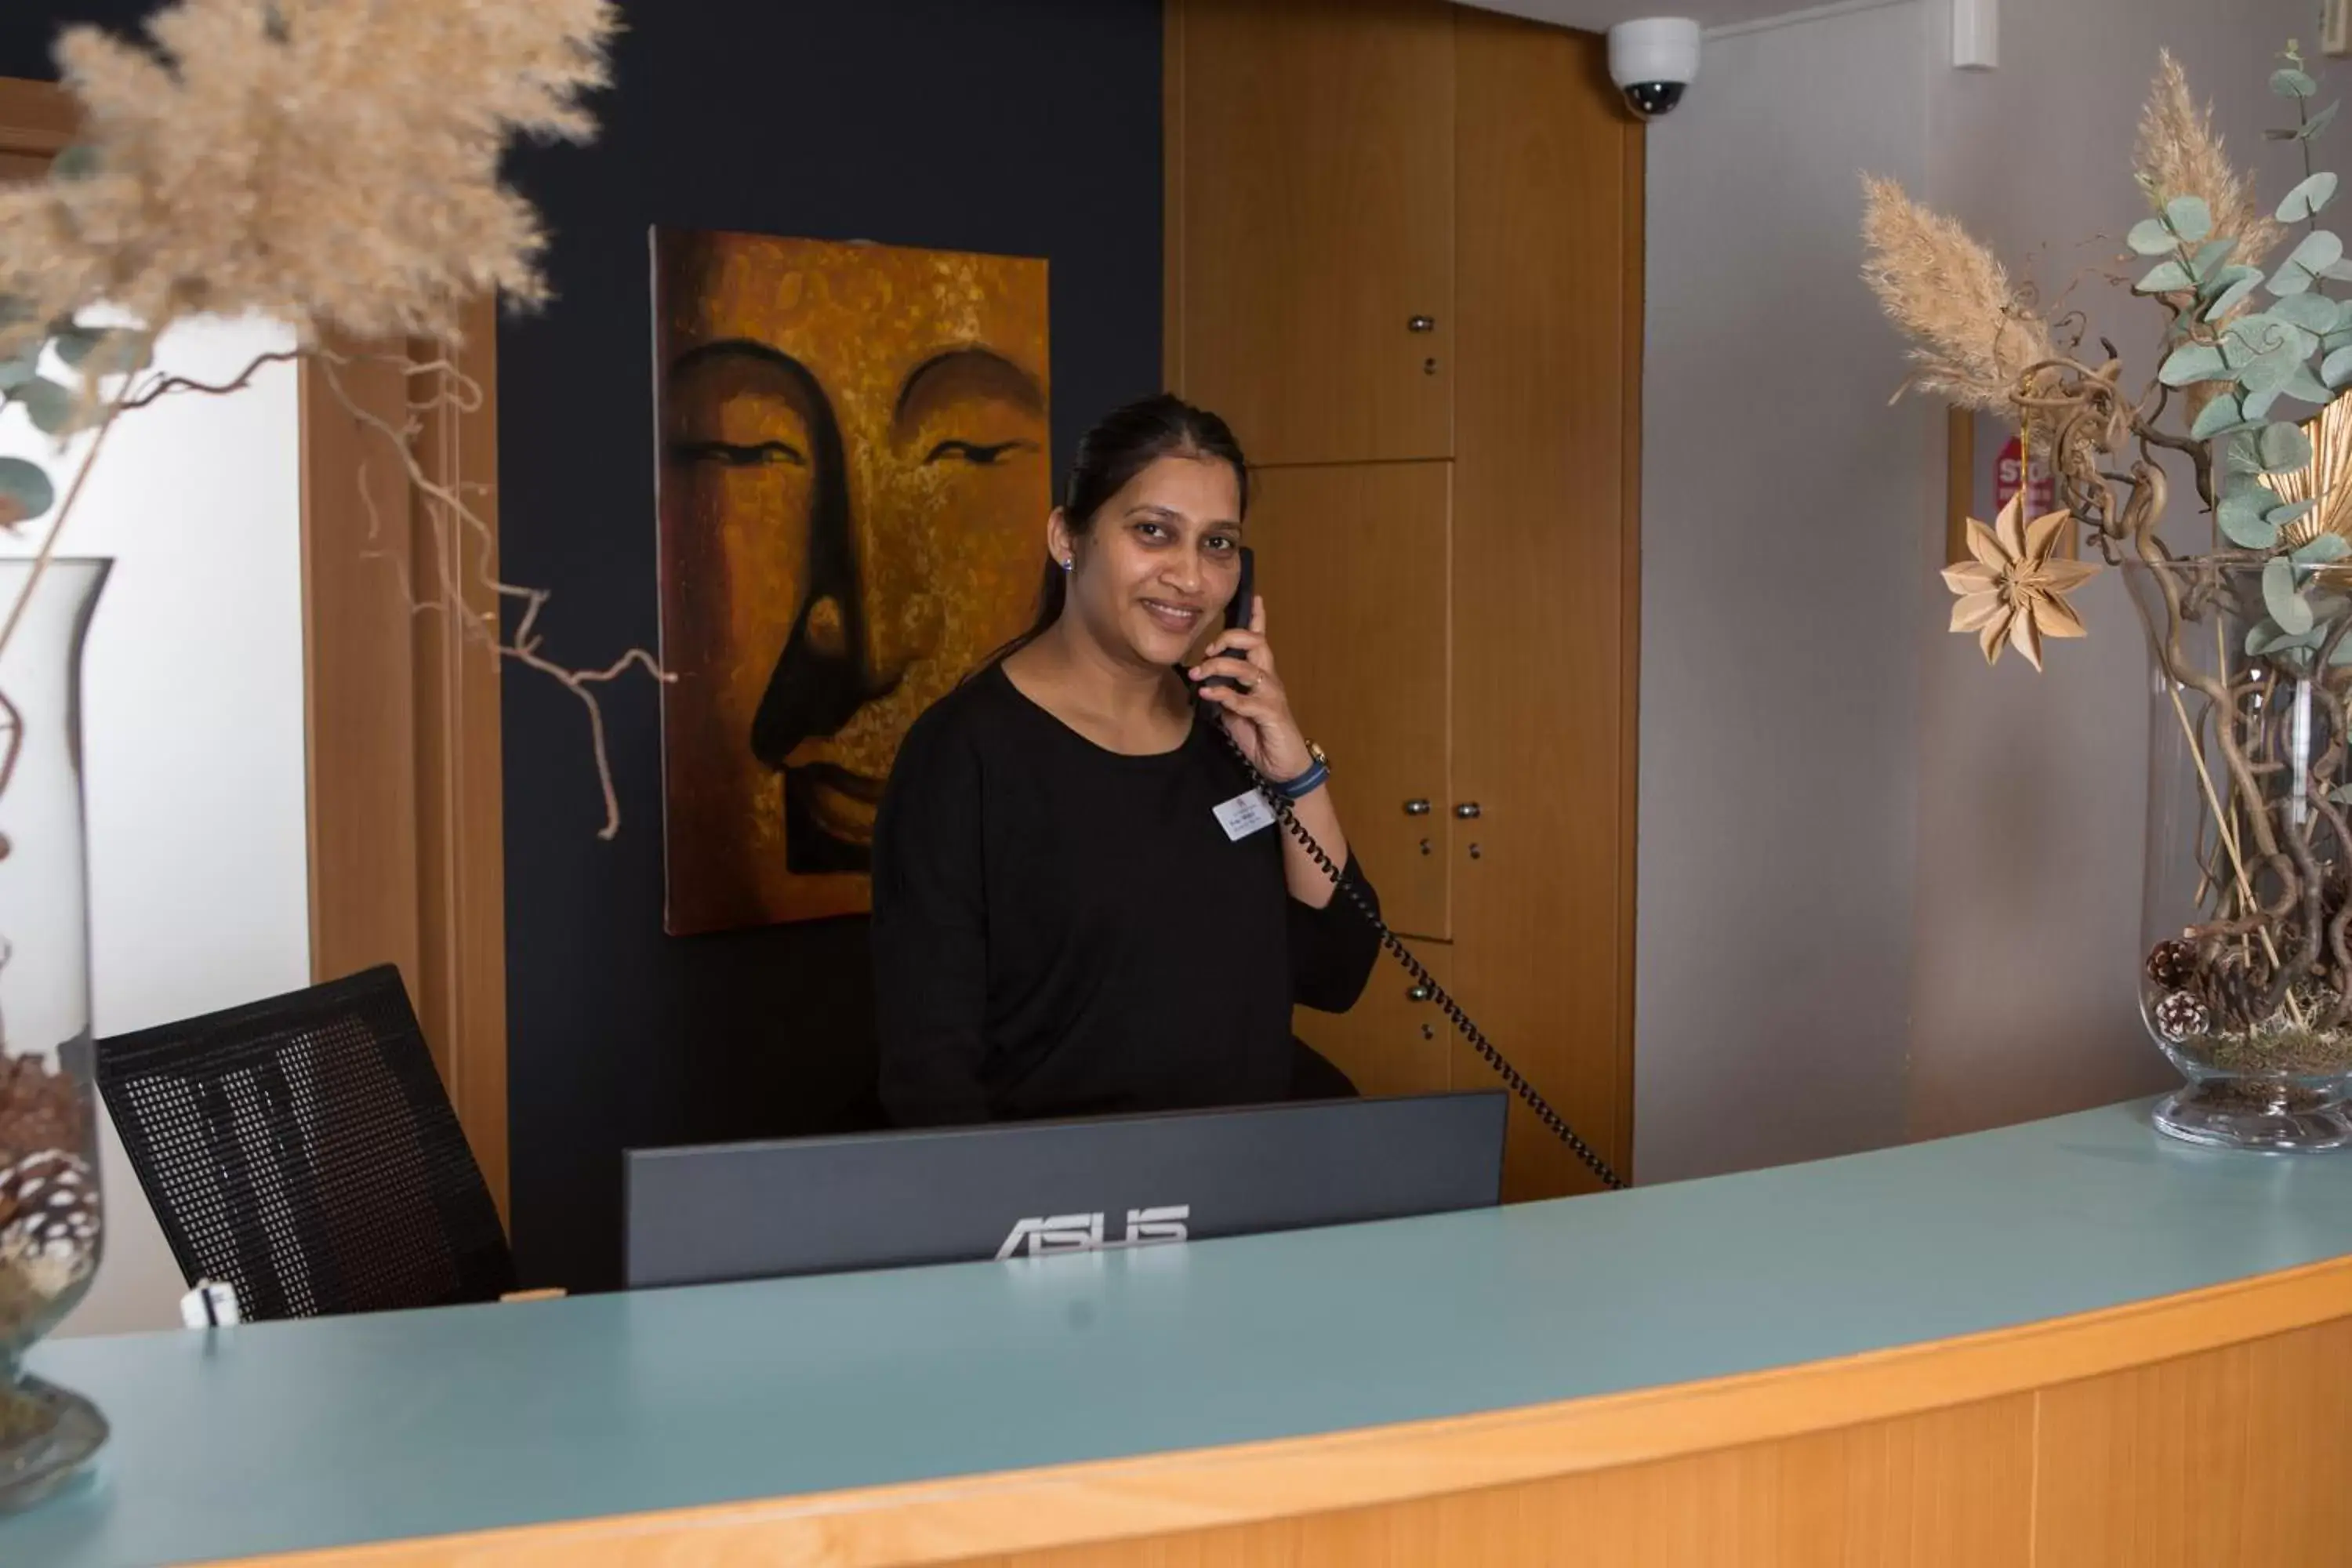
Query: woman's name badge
{"x": 1244, "y": 815}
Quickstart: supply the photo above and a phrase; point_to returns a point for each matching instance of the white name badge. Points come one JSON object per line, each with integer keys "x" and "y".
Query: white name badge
{"x": 1244, "y": 815}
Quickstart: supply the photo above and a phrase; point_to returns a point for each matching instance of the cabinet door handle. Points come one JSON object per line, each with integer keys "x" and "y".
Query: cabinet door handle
{"x": 1418, "y": 994}
{"x": 1466, "y": 810}
{"x": 1416, "y": 808}
{"x": 1421, "y": 324}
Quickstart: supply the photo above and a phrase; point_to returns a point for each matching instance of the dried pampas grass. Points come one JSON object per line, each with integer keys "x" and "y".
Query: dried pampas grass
{"x": 1973, "y": 336}
{"x": 330, "y": 164}
{"x": 2180, "y": 156}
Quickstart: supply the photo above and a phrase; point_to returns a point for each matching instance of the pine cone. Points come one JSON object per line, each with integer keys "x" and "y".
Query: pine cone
{"x": 2181, "y": 1016}
{"x": 2172, "y": 965}
{"x": 48, "y": 1209}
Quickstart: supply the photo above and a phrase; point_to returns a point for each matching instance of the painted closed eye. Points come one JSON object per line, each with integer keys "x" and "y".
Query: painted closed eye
{"x": 975, "y": 453}
{"x": 735, "y": 455}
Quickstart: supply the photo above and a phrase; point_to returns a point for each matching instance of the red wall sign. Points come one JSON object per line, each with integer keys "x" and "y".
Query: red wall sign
{"x": 2005, "y": 469}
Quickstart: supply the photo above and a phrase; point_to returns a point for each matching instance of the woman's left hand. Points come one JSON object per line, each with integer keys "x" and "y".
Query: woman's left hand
{"x": 1257, "y": 716}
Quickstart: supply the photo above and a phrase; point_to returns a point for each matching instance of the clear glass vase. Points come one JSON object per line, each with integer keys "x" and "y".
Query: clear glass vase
{"x": 2246, "y": 916}
{"x": 50, "y": 1220}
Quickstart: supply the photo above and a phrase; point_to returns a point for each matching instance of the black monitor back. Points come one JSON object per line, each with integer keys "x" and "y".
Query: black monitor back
{"x": 812, "y": 1205}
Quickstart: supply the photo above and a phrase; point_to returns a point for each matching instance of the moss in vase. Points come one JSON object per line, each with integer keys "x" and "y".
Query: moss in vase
{"x": 2281, "y": 1046}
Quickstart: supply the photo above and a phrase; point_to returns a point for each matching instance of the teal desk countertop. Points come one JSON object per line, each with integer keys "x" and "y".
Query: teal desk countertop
{"x": 272, "y": 1437}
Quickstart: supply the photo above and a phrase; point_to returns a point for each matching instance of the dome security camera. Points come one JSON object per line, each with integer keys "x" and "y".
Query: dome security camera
{"x": 1651, "y": 60}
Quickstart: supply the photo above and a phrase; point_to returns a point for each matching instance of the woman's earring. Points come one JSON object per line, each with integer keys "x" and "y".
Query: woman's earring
{"x": 1068, "y": 562}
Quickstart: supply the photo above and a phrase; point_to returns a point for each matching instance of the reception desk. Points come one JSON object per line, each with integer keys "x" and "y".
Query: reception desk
{"x": 2069, "y": 1343}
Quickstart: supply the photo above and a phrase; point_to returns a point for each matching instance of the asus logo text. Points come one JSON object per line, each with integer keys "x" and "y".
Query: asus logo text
{"x": 1084, "y": 1232}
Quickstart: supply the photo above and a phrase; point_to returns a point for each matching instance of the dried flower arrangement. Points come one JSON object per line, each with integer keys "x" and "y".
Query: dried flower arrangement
{"x": 2249, "y": 636}
{"x": 332, "y": 165}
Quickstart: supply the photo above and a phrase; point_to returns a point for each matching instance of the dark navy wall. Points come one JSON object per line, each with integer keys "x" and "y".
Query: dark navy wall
{"x": 1025, "y": 127}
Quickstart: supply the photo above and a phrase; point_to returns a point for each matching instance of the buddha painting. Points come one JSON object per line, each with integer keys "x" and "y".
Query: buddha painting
{"x": 853, "y": 485}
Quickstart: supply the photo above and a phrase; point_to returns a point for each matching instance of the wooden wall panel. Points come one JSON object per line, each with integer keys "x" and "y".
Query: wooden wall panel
{"x": 1545, "y": 569}
{"x": 359, "y": 683}
{"x": 407, "y": 857}
{"x": 460, "y": 980}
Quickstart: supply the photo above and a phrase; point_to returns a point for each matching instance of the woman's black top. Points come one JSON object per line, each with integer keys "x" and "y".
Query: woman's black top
{"x": 1064, "y": 931}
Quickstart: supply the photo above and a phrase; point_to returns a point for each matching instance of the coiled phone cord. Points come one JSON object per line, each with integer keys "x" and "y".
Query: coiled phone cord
{"x": 1510, "y": 1074}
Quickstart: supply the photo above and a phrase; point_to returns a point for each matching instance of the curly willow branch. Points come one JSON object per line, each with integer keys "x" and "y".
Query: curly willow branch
{"x": 446, "y": 511}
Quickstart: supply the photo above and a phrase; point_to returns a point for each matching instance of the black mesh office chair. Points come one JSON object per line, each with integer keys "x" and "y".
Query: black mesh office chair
{"x": 302, "y": 1148}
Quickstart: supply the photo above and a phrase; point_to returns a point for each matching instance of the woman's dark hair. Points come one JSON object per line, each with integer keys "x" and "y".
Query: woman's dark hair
{"x": 1124, "y": 443}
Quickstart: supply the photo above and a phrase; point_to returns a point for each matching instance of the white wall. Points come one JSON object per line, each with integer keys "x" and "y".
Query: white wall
{"x": 1781, "y": 551}
{"x": 193, "y": 735}
{"x": 1884, "y": 891}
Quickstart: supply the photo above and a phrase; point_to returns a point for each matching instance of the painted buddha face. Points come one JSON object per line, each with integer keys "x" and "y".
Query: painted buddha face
{"x": 854, "y": 467}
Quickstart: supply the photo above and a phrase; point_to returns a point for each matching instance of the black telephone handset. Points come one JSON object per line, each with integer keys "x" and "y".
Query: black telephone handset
{"x": 1238, "y": 614}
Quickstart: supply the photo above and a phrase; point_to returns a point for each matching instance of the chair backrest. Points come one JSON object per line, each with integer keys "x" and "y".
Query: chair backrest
{"x": 303, "y": 1150}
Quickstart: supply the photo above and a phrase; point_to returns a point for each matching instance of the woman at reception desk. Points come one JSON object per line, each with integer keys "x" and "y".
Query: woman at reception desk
{"x": 1082, "y": 904}
{"x": 2074, "y": 1342}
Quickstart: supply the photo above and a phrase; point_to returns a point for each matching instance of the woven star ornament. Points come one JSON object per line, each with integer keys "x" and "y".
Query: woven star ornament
{"x": 2014, "y": 592}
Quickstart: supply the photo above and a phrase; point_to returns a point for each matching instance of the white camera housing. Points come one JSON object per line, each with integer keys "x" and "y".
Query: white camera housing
{"x": 1651, "y": 60}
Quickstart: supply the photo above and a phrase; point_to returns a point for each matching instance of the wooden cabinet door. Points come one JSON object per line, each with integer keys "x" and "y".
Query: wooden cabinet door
{"x": 1392, "y": 1041}
{"x": 1310, "y": 200}
{"x": 1352, "y": 562}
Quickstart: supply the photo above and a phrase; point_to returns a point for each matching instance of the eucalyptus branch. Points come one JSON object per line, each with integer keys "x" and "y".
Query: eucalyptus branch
{"x": 47, "y": 552}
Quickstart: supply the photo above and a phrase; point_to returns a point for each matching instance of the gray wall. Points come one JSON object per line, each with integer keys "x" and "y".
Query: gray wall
{"x": 1885, "y": 892}
{"x": 1780, "y": 556}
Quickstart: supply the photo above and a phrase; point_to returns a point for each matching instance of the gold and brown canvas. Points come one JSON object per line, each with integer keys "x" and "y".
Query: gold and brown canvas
{"x": 853, "y": 492}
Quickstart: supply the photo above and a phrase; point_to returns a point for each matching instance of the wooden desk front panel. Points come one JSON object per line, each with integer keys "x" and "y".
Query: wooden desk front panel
{"x": 2237, "y": 1457}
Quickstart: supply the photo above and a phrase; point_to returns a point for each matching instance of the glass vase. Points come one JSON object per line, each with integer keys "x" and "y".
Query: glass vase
{"x": 2245, "y": 974}
{"x": 50, "y": 1220}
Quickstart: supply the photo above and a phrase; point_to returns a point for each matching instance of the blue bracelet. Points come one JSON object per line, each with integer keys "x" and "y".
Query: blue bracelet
{"x": 1305, "y": 785}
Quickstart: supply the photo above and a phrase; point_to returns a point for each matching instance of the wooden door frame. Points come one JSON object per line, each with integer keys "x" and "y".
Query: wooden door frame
{"x": 401, "y": 707}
